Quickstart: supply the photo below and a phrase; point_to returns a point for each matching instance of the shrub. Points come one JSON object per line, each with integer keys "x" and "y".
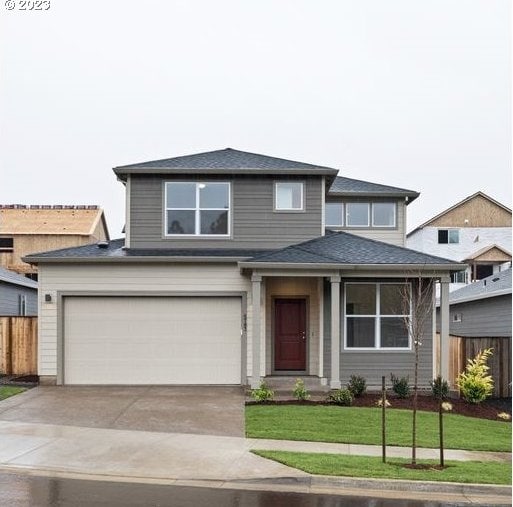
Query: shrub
{"x": 400, "y": 386}
{"x": 263, "y": 393}
{"x": 439, "y": 387}
{"x": 357, "y": 385}
{"x": 341, "y": 397}
{"x": 300, "y": 392}
{"x": 475, "y": 383}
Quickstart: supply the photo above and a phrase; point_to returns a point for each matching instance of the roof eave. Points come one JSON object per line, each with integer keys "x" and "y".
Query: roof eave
{"x": 411, "y": 196}
{"x": 353, "y": 267}
{"x": 130, "y": 259}
{"x": 123, "y": 171}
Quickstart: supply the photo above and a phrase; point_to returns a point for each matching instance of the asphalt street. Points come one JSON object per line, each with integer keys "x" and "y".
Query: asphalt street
{"x": 19, "y": 490}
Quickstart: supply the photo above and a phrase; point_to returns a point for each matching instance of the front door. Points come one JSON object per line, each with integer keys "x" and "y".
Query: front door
{"x": 290, "y": 334}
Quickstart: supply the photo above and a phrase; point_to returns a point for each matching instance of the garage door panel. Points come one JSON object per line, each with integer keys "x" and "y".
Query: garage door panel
{"x": 164, "y": 340}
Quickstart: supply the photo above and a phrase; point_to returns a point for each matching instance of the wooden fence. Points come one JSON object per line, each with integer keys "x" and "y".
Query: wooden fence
{"x": 462, "y": 349}
{"x": 18, "y": 345}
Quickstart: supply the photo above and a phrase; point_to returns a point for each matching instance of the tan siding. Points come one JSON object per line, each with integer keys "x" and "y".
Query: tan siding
{"x": 395, "y": 236}
{"x": 140, "y": 277}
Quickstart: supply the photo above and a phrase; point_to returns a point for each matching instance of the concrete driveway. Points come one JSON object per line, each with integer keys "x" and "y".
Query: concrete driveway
{"x": 200, "y": 410}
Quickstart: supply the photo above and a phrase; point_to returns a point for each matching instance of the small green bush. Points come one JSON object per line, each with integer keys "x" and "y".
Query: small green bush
{"x": 357, "y": 385}
{"x": 400, "y": 386}
{"x": 300, "y": 392}
{"x": 475, "y": 383}
{"x": 341, "y": 397}
{"x": 439, "y": 388}
{"x": 263, "y": 393}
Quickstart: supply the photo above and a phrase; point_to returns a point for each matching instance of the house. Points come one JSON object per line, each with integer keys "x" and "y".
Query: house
{"x": 231, "y": 272}
{"x": 18, "y": 295}
{"x": 479, "y": 318}
{"x": 476, "y": 230}
{"x": 36, "y": 228}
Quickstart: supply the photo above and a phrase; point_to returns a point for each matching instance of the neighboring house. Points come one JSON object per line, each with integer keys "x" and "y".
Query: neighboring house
{"x": 479, "y": 318}
{"x": 36, "y": 228}
{"x": 227, "y": 275}
{"x": 18, "y": 295}
{"x": 476, "y": 230}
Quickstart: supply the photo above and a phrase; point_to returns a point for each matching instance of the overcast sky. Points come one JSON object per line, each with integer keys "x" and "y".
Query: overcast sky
{"x": 406, "y": 93}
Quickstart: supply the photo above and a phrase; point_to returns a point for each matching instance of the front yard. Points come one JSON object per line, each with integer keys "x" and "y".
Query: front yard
{"x": 364, "y": 466}
{"x": 360, "y": 425}
{"x": 8, "y": 391}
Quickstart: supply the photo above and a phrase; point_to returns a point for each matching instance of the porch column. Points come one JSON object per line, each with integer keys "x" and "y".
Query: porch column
{"x": 444, "y": 328}
{"x": 256, "y": 290}
{"x": 335, "y": 332}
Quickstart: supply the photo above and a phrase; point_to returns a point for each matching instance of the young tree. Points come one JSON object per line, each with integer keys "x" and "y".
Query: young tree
{"x": 417, "y": 301}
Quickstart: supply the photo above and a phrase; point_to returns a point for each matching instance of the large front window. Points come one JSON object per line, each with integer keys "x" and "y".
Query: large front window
{"x": 377, "y": 315}
{"x": 197, "y": 209}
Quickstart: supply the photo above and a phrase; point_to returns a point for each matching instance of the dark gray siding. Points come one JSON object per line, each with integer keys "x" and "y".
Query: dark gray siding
{"x": 490, "y": 317}
{"x": 372, "y": 365}
{"x": 254, "y": 223}
{"x": 9, "y": 299}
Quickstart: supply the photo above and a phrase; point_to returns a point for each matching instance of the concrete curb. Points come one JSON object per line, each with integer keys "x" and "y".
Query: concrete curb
{"x": 343, "y": 486}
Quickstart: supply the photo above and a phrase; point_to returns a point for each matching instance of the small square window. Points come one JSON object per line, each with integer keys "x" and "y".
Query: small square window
{"x": 446, "y": 236}
{"x": 289, "y": 196}
{"x": 334, "y": 215}
{"x": 456, "y": 317}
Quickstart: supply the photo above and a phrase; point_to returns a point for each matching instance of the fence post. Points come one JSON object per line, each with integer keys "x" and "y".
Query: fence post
{"x": 383, "y": 420}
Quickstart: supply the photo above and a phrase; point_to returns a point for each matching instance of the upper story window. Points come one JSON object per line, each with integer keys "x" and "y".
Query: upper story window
{"x": 377, "y": 315}
{"x": 448, "y": 236}
{"x": 289, "y": 196}
{"x": 197, "y": 209}
{"x": 6, "y": 244}
{"x": 22, "y": 305}
{"x": 358, "y": 214}
{"x": 383, "y": 214}
{"x": 334, "y": 214}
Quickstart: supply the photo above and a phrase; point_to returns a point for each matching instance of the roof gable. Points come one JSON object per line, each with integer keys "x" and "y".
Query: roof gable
{"x": 476, "y": 210}
{"x": 491, "y": 253}
{"x": 227, "y": 160}
{"x": 50, "y": 220}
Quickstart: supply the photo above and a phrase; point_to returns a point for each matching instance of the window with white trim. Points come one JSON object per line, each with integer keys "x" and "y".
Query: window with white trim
{"x": 289, "y": 196}
{"x": 197, "y": 208}
{"x": 383, "y": 214}
{"x": 448, "y": 236}
{"x": 375, "y": 315}
{"x": 22, "y": 305}
{"x": 334, "y": 214}
{"x": 358, "y": 214}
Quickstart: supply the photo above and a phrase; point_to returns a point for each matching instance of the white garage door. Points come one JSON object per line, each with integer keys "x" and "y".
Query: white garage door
{"x": 152, "y": 340}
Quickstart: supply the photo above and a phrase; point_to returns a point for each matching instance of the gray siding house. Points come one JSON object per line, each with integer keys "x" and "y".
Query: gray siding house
{"x": 238, "y": 267}
{"x": 482, "y": 309}
{"x": 18, "y": 295}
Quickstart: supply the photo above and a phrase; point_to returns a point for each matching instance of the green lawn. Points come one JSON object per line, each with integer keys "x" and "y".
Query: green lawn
{"x": 357, "y": 425}
{"x": 364, "y": 466}
{"x": 7, "y": 391}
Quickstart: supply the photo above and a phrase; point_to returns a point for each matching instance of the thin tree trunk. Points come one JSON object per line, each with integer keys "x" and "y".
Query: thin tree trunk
{"x": 415, "y": 391}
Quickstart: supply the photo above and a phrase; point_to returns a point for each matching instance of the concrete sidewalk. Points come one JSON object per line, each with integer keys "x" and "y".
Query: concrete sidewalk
{"x": 214, "y": 461}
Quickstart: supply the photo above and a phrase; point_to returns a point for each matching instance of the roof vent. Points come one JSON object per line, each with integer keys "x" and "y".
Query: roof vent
{"x": 102, "y": 244}
{"x": 496, "y": 279}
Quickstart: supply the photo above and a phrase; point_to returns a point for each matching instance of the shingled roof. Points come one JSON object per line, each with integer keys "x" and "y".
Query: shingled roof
{"x": 342, "y": 248}
{"x": 342, "y": 186}
{"x": 224, "y": 161}
{"x": 497, "y": 284}
{"x": 13, "y": 278}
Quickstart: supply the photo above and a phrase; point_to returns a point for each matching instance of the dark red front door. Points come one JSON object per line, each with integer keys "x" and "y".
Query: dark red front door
{"x": 290, "y": 334}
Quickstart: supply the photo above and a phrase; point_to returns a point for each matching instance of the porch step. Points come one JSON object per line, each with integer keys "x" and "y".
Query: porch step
{"x": 284, "y": 384}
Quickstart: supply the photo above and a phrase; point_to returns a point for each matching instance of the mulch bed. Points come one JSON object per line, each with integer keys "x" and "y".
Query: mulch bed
{"x": 486, "y": 410}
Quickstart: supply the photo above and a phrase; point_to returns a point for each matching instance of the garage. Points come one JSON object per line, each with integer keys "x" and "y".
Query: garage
{"x": 137, "y": 340}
